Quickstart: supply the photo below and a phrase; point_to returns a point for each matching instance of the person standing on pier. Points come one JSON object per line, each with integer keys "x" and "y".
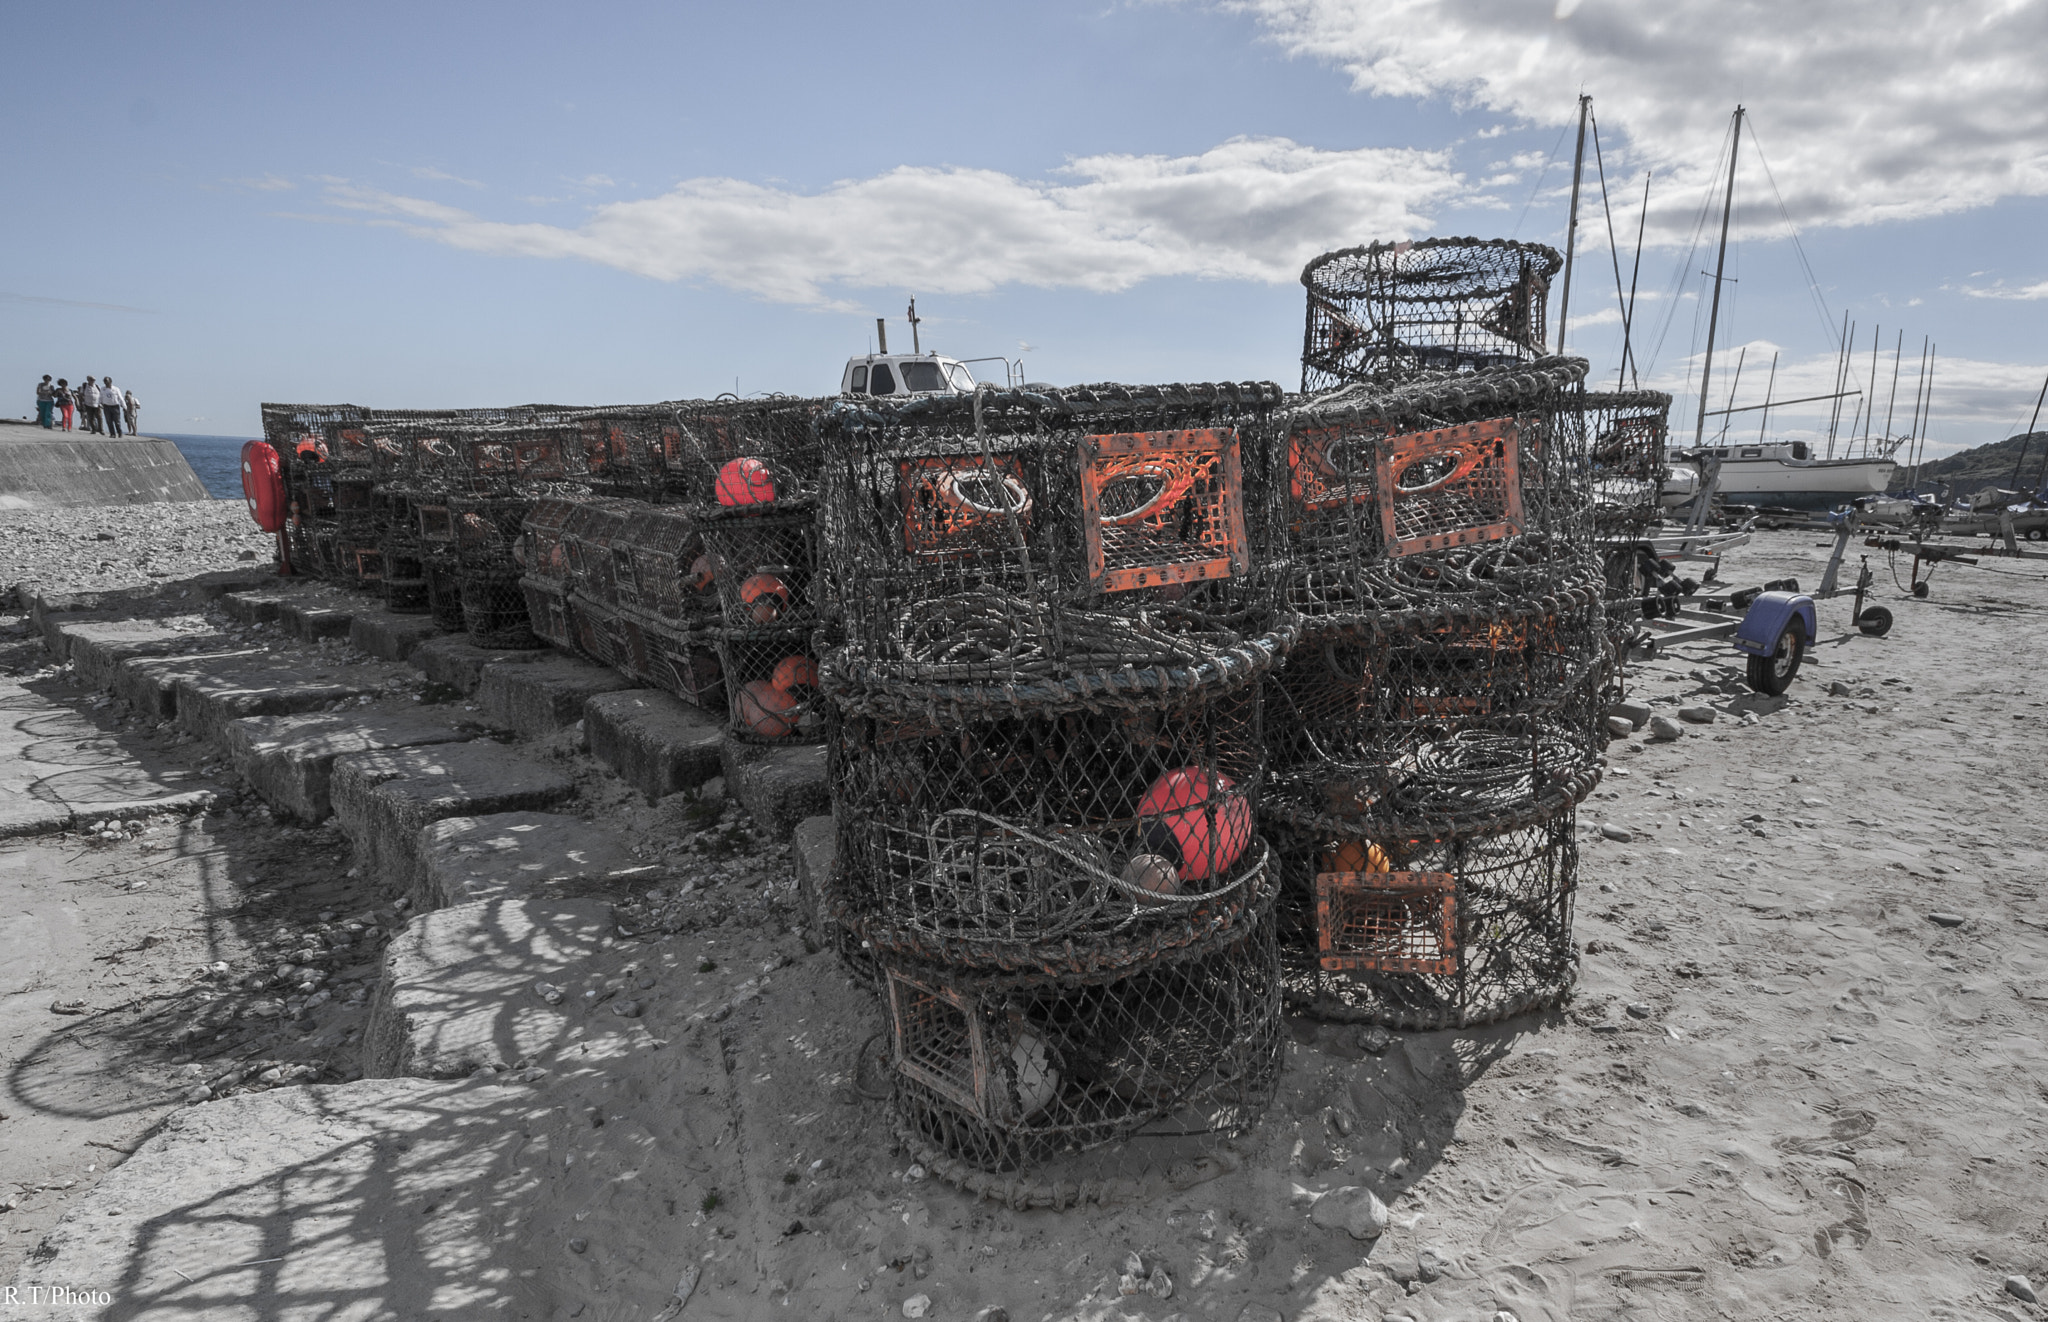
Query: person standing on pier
{"x": 129, "y": 406}
{"x": 65, "y": 402}
{"x": 46, "y": 401}
{"x": 110, "y": 404}
{"x": 89, "y": 405}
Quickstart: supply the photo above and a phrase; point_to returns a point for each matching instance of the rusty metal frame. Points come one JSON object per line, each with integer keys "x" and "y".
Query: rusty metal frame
{"x": 1497, "y": 494}
{"x": 1215, "y": 547}
{"x": 908, "y": 997}
{"x": 1397, "y": 911}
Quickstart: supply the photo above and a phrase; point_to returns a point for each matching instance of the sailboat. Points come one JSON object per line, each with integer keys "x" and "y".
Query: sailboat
{"x": 1783, "y": 474}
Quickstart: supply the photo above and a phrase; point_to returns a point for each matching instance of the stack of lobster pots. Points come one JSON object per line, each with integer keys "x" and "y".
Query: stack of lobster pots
{"x": 1047, "y": 754}
{"x": 1626, "y": 434}
{"x": 1433, "y": 732}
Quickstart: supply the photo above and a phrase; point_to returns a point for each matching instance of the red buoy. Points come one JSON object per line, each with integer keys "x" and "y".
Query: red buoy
{"x": 1198, "y": 822}
{"x": 263, "y": 486}
{"x": 767, "y": 710}
{"x": 745, "y": 482}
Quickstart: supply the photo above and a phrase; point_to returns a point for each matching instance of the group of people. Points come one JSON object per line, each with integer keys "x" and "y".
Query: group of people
{"x": 101, "y": 407}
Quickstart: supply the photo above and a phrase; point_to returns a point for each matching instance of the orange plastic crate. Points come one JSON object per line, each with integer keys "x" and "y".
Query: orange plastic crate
{"x": 1387, "y": 922}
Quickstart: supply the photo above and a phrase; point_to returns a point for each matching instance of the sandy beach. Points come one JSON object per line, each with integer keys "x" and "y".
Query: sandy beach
{"x": 1803, "y": 1075}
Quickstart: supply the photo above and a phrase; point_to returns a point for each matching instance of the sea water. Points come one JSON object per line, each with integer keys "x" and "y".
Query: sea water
{"x": 217, "y": 460}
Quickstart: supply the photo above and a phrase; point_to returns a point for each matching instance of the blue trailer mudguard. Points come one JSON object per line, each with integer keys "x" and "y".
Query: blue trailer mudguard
{"x": 1766, "y": 619}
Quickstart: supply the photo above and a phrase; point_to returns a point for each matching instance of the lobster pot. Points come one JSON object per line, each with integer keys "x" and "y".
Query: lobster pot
{"x": 762, "y": 566}
{"x": 1626, "y": 438}
{"x": 1049, "y": 1092}
{"x": 1456, "y": 719}
{"x": 1427, "y": 931}
{"x": 741, "y": 454}
{"x": 360, "y": 521}
{"x": 1025, "y": 536}
{"x": 547, "y": 612}
{"x": 589, "y": 529}
{"x": 1391, "y": 311}
{"x": 661, "y": 568}
{"x": 400, "y": 551}
{"x": 1084, "y": 840}
{"x": 771, "y": 684}
{"x": 546, "y": 529}
{"x": 494, "y": 612}
{"x": 682, "y": 661}
{"x": 444, "y": 590}
{"x": 619, "y": 450}
{"x": 488, "y": 532}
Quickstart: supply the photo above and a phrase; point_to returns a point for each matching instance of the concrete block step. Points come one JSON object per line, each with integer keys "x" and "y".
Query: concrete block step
{"x": 262, "y": 605}
{"x": 513, "y": 855}
{"x": 457, "y": 662}
{"x": 289, "y": 760}
{"x": 458, "y": 988}
{"x": 653, "y": 741}
{"x": 97, "y": 648}
{"x": 310, "y": 1202}
{"x": 390, "y": 637}
{"x": 541, "y": 696}
{"x": 312, "y": 620}
{"x": 149, "y": 684}
{"x": 778, "y": 784}
{"x": 209, "y": 699}
{"x": 383, "y": 799}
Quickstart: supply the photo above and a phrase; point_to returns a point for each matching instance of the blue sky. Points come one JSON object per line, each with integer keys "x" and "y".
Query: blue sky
{"x": 449, "y": 205}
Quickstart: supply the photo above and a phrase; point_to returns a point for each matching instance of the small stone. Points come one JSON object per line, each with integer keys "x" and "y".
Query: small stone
{"x": 1159, "y": 1285}
{"x": 1374, "y": 1040}
{"x": 1638, "y": 1010}
{"x": 1663, "y": 729}
{"x": 1635, "y": 713}
{"x": 1697, "y": 715}
{"x": 626, "y": 1009}
{"x": 579, "y": 1245}
{"x": 1607, "y": 1028}
{"x": 200, "y": 1094}
{"x": 1619, "y": 728}
{"x": 1133, "y": 1264}
{"x": 918, "y": 1305}
{"x": 995, "y": 1314}
{"x": 2019, "y": 1287}
{"x": 548, "y": 992}
{"x": 1430, "y": 1264}
{"x": 1946, "y": 919}
{"x": 1838, "y": 690}
{"x": 1356, "y": 1211}
{"x": 1618, "y": 834}
{"x": 1503, "y": 1315}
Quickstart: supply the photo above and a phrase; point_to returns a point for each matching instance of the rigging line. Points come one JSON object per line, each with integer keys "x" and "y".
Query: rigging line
{"x": 1913, "y": 440}
{"x": 1897, "y": 351}
{"x": 1613, "y": 251}
{"x": 1827, "y": 318}
{"x": 1545, "y": 174}
{"x": 1642, "y": 220}
{"x": 1680, "y": 276}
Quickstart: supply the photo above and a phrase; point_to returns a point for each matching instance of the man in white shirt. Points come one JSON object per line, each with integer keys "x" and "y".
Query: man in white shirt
{"x": 110, "y": 405}
{"x": 89, "y": 405}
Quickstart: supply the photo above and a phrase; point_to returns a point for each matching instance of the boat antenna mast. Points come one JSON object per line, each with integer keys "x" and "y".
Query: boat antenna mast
{"x": 1571, "y": 230}
{"x": 915, "y": 348}
{"x": 1720, "y": 265}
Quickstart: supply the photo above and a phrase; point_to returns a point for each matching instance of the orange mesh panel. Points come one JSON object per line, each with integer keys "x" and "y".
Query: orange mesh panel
{"x": 1387, "y": 922}
{"x": 1162, "y": 507}
{"x": 1451, "y": 487}
{"x": 955, "y": 505}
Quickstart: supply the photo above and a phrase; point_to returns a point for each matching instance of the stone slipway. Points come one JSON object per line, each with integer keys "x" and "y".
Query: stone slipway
{"x": 96, "y": 648}
{"x": 540, "y": 696}
{"x": 289, "y": 760}
{"x": 458, "y": 992}
{"x": 381, "y": 1199}
{"x": 383, "y": 799}
{"x": 57, "y": 767}
{"x": 654, "y": 742}
{"x": 511, "y": 855}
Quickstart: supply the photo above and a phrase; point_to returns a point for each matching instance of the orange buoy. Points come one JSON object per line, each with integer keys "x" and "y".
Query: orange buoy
{"x": 703, "y": 572}
{"x": 1196, "y": 821}
{"x": 767, "y": 710}
{"x": 745, "y": 482}
{"x": 793, "y": 672}
{"x": 766, "y": 596}
{"x": 263, "y": 485}
{"x": 1357, "y": 856}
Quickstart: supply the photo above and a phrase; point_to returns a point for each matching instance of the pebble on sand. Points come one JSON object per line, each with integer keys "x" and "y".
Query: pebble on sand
{"x": 1663, "y": 728}
{"x": 1618, "y": 834}
{"x": 1697, "y": 715}
{"x": 1356, "y": 1211}
{"x": 2019, "y": 1287}
{"x": 918, "y": 1305}
{"x": 1620, "y": 727}
{"x": 1946, "y": 919}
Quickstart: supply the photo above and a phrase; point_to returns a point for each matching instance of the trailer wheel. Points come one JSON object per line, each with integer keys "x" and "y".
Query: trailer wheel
{"x": 1875, "y": 621}
{"x": 1920, "y": 590}
{"x": 1773, "y": 674}
{"x": 2036, "y": 534}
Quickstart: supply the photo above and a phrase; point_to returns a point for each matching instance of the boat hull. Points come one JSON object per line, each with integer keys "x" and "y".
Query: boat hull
{"x": 1810, "y": 484}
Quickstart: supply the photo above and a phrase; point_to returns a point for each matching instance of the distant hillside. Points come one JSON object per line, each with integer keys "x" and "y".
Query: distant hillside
{"x": 1987, "y": 465}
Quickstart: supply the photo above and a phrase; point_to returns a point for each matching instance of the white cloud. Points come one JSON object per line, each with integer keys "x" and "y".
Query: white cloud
{"x": 1249, "y": 209}
{"x": 2027, "y": 293}
{"x": 1870, "y": 110}
{"x": 442, "y": 176}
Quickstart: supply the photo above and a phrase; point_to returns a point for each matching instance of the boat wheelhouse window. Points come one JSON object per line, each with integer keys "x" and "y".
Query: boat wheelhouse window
{"x": 962, "y": 379}
{"x": 860, "y": 379}
{"x": 922, "y": 376}
{"x": 1799, "y": 450}
{"x": 881, "y": 381}
{"x": 1752, "y": 453}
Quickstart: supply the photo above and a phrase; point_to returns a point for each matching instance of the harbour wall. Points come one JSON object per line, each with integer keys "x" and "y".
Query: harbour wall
{"x": 41, "y": 470}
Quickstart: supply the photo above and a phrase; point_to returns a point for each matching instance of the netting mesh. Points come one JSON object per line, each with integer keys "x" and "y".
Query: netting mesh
{"x": 1388, "y": 311}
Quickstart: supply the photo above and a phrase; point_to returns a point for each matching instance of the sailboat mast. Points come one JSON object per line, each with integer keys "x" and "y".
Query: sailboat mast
{"x": 1769, "y": 386}
{"x": 1571, "y": 232}
{"x": 1720, "y": 265}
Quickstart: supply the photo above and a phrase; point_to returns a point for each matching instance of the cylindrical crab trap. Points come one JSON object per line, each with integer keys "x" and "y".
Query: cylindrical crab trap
{"x": 1070, "y": 840}
{"x": 1427, "y": 931}
{"x": 1388, "y": 311}
{"x": 1053, "y": 1094}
